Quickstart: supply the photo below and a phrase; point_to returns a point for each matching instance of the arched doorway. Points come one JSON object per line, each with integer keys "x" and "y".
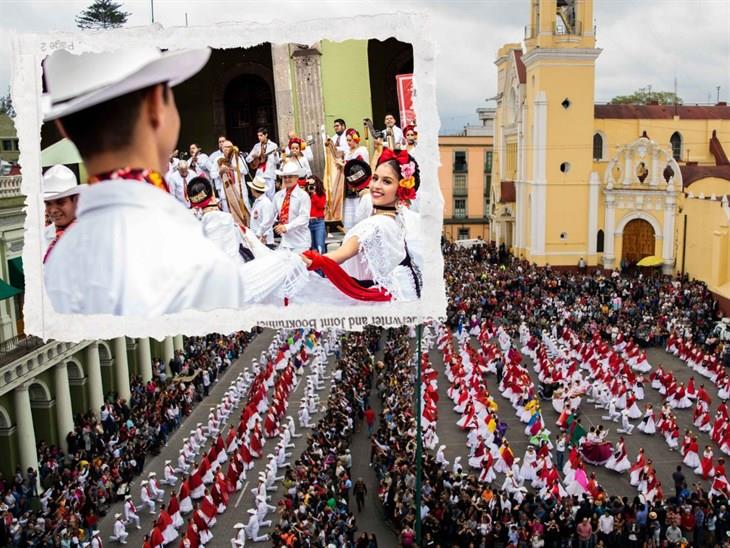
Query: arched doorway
{"x": 249, "y": 105}
{"x": 638, "y": 241}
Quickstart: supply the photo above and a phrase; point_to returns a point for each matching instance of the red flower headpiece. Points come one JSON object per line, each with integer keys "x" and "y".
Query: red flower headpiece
{"x": 407, "y": 183}
{"x": 352, "y": 132}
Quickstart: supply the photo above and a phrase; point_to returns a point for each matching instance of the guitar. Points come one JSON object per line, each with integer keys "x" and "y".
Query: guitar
{"x": 262, "y": 157}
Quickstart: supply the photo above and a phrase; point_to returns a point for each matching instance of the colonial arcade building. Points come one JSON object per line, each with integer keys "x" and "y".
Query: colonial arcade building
{"x": 610, "y": 184}
{"x": 44, "y": 385}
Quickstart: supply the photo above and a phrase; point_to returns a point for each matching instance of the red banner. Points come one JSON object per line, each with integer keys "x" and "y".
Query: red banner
{"x": 404, "y": 84}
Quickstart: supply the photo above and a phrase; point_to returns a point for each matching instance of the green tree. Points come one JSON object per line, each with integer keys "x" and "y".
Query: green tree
{"x": 645, "y": 96}
{"x": 102, "y": 14}
{"x": 6, "y": 105}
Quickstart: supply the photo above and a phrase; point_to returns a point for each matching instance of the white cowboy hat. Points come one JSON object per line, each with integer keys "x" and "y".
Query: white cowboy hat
{"x": 59, "y": 182}
{"x": 259, "y": 185}
{"x": 117, "y": 515}
{"x": 239, "y": 526}
{"x": 290, "y": 168}
{"x": 144, "y": 482}
{"x": 77, "y": 82}
{"x": 168, "y": 461}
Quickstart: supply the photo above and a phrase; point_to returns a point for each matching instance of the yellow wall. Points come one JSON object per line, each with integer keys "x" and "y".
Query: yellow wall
{"x": 695, "y": 135}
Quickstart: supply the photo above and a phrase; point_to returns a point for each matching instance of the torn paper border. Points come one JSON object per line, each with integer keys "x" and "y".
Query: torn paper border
{"x": 30, "y": 49}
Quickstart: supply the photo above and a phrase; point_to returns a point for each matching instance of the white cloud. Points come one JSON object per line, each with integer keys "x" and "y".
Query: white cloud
{"x": 644, "y": 42}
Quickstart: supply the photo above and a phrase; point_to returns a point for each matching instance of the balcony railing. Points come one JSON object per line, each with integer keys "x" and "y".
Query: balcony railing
{"x": 559, "y": 29}
{"x": 22, "y": 364}
{"x": 12, "y": 349}
{"x": 10, "y": 186}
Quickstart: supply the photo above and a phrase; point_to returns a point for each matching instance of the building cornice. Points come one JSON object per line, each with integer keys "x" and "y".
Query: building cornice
{"x": 559, "y": 54}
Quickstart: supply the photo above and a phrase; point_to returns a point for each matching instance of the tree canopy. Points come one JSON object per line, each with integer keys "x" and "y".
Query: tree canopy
{"x": 645, "y": 96}
{"x": 102, "y": 14}
{"x": 6, "y": 105}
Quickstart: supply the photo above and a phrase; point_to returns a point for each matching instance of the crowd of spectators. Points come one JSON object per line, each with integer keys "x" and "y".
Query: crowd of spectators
{"x": 317, "y": 507}
{"x": 108, "y": 447}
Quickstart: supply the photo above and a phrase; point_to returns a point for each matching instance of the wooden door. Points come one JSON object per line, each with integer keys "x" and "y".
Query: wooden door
{"x": 638, "y": 241}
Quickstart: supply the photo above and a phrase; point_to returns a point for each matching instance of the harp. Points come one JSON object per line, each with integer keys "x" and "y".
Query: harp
{"x": 377, "y": 142}
{"x": 234, "y": 186}
{"x": 333, "y": 179}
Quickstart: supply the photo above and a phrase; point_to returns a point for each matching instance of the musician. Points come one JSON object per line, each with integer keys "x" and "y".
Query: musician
{"x": 411, "y": 136}
{"x": 61, "y": 195}
{"x": 292, "y": 210}
{"x": 391, "y": 127}
{"x": 355, "y": 151}
{"x": 219, "y": 226}
{"x": 177, "y": 182}
{"x": 262, "y": 212}
{"x": 358, "y": 201}
{"x": 339, "y": 138}
{"x": 296, "y": 155}
{"x": 264, "y": 157}
{"x": 307, "y": 150}
{"x": 213, "y": 171}
{"x": 232, "y": 169}
{"x": 199, "y": 161}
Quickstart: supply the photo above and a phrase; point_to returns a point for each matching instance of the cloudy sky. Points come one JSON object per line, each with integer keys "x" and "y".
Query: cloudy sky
{"x": 644, "y": 42}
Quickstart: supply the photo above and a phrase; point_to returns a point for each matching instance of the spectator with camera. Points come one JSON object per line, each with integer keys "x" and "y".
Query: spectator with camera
{"x": 318, "y": 197}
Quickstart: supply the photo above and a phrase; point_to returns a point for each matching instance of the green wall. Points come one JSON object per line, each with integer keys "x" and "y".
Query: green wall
{"x": 346, "y": 83}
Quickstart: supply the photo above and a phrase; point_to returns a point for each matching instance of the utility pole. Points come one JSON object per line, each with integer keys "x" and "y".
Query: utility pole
{"x": 419, "y": 437}
{"x": 186, "y": 18}
{"x": 152, "y": 9}
{"x": 718, "y": 94}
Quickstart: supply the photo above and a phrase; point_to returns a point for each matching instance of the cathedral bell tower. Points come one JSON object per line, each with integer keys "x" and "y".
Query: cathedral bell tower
{"x": 555, "y": 212}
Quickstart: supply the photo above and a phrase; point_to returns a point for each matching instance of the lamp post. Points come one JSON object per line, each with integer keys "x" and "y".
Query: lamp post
{"x": 419, "y": 437}
{"x": 152, "y": 8}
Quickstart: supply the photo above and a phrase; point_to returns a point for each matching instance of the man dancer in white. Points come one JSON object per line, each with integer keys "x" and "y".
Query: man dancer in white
{"x": 292, "y": 209}
{"x": 626, "y": 426}
{"x": 155, "y": 489}
{"x": 240, "y": 539}
{"x": 61, "y": 196}
{"x": 252, "y": 528}
{"x": 263, "y": 508}
{"x": 120, "y": 531}
{"x": 613, "y": 414}
{"x": 265, "y": 156}
{"x": 146, "y": 496}
{"x": 127, "y": 223}
{"x": 170, "y": 477}
{"x": 130, "y": 512}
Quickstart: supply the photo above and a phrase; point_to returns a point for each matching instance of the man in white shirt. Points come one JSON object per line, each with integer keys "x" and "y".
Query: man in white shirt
{"x": 133, "y": 249}
{"x": 397, "y": 132}
{"x": 199, "y": 160}
{"x": 265, "y": 154}
{"x": 262, "y": 212}
{"x": 61, "y": 196}
{"x": 177, "y": 181}
{"x": 214, "y": 172}
{"x": 339, "y": 138}
{"x": 120, "y": 531}
{"x": 292, "y": 209}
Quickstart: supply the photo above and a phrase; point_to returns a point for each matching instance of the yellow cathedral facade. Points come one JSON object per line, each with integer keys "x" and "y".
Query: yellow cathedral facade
{"x": 609, "y": 184}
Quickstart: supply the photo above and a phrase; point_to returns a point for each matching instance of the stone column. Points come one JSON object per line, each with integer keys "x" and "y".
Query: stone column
{"x": 178, "y": 343}
{"x": 121, "y": 368}
{"x": 25, "y": 429}
{"x": 670, "y": 211}
{"x": 96, "y": 388}
{"x": 283, "y": 90}
{"x": 168, "y": 352}
{"x": 64, "y": 413}
{"x": 609, "y": 234}
{"x": 144, "y": 358}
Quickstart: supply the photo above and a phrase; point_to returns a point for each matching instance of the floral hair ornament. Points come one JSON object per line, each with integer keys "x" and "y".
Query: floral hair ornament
{"x": 407, "y": 184}
{"x": 352, "y": 132}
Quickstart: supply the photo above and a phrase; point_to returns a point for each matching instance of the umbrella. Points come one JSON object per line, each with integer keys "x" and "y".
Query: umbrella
{"x": 651, "y": 260}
